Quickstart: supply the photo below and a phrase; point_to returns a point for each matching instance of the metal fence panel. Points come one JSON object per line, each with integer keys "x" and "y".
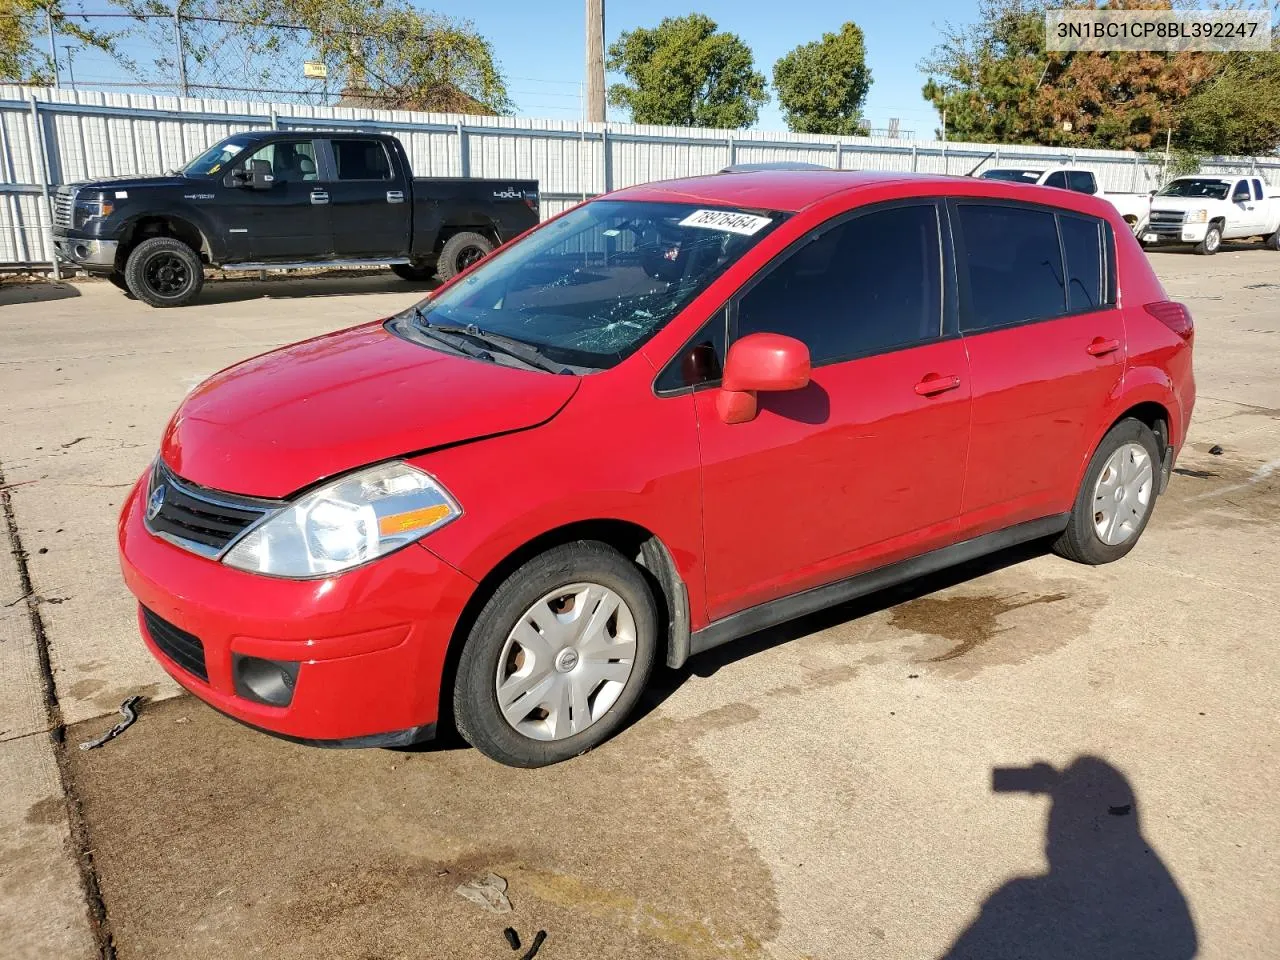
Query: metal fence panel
{"x": 53, "y": 136}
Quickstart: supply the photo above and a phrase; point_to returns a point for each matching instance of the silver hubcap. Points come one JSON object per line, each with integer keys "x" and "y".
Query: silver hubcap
{"x": 566, "y": 661}
{"x": 1212, "y": 240}
{"x": 1122, "y": 494}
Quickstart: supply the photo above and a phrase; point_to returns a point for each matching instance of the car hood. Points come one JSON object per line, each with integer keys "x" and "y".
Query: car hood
{"x": 131, "y": 182}
{"x": 1181, "y": 204}
{"x": 275, "y": 424}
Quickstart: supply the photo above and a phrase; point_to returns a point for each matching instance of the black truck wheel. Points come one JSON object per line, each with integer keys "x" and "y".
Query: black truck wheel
{"x": 164, "y": 272}
{"x": 417, "y": 272}
{"x": 461, "y": 251}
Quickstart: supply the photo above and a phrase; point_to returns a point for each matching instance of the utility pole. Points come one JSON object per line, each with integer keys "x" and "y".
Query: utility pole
{"x": 182, "y": 48}
{"x": 53, "y": 48}
{"x": 595, "y": 61}
{"x": 71, "y": 66}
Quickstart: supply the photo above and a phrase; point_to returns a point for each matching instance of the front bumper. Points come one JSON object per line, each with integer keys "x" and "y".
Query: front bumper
{"x": 370, "y": 643}
{"x": 1154, "y": 233}
{"x": 96, "y": 256}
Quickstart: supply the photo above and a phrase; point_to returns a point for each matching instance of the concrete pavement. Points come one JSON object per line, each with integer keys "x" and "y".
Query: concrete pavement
{"x": 822, "y": 790}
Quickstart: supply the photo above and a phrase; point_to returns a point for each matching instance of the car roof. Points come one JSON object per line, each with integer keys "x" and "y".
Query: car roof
{"x": 793, "y": 190}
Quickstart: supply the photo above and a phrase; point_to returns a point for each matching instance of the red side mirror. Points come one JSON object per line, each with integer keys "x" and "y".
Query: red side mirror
{"x": 760, "y": 361}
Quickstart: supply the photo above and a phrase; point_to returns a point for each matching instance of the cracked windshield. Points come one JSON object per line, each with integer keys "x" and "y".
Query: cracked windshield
{"x": 589, "y": 289}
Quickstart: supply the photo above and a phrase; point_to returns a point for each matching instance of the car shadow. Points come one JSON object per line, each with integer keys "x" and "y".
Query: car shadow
{"x": 1106, "y": 895}
{"x": 24, "y": 290}
{"x": 234, "y": 289}
{"x": 666, "y": 682}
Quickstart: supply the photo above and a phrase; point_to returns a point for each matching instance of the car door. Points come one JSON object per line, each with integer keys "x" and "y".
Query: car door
{"x": 1045, "y": 344}
{"x": 368, "y": 201}
{"x": 281, "y": 223}
{"x": 865, "y": 464}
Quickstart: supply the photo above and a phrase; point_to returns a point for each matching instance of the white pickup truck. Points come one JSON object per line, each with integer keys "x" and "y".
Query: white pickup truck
{"x": 1204, "y": 210}
{"x": 1132, "y": 206}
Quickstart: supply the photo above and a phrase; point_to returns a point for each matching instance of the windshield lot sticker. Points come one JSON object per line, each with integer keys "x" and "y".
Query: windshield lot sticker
{"x": 122, "y": 194}
{"x": 743, "y": 223}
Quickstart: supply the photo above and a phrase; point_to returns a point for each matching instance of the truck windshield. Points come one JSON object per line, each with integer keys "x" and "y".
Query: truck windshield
{"x": 589, "y": 289}
{"x": 214, "y": 160}
{"x": 1013, "y": 176}
{"x": 1196, "y": 187}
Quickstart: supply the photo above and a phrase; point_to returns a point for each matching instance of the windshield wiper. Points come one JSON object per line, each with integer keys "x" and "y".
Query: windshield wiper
{"x": 441, "y": 335}
{"x": 526, "y": 353}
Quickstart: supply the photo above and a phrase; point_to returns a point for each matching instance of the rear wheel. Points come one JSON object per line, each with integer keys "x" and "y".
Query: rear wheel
{"x": 164, "y": 272}
{"x": 1273, "y": 241}
{"x": 557, "y": 657}
{"x": 416, "y": 272}
{"x": 1211, "y": 242}
{"x": 1116, "y": 498}
{"x": 461, "y": 251}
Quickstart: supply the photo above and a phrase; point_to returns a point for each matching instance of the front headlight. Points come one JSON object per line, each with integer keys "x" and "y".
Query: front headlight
{"x": 351, "y": 521}
{"x": 92, "y": 208}
{"x": 1198, "y": 216}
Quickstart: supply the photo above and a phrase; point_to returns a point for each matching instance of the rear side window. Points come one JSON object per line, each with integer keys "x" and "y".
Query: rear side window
{"x": 1082, "y": 181}
{"x": 867, "y": 285}
{"x": 1257, "y": 189}
{"x": 1082, "y": 243}
{"x": 361, "y": 160}
{"x": 1012, "y": 264}
{"x": 1056, "y": 179}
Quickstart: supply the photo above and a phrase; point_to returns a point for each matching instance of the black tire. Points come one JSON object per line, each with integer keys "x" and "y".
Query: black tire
{"x": 477, "y": 713}
{"x": 1273, "y": 241}
{"x": 414, "y": 272}
{"x": 116, "y": 279}
{"x": 1212, "y": 241}
{"x": 460, "y": 251}
{"x": 1080, "y": 541}
{"x": 164, "y": 272}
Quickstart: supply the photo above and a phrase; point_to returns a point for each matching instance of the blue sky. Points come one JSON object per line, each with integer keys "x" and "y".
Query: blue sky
{"x": 540, "y": 45}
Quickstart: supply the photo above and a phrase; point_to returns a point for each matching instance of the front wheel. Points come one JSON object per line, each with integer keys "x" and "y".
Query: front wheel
{"x": 1116, "y": 498}
{"x": 164, "y": 272}
{"x": 557, "y": 657}
{"x": 1211, "y": 242}
{"x": 461, "y": 251}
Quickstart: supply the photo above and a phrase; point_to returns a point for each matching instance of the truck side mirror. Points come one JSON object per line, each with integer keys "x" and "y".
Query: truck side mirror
{"x": 260, "y": 176}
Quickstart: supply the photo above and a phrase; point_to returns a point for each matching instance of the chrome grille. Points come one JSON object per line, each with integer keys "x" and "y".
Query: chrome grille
{"x": 64, "y": 202}
{"x": 202, "y": 521}
{"x": 1168, "y": 216}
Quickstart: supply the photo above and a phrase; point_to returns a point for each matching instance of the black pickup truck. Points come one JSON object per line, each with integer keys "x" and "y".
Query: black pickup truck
{"x": 266, "y": 200}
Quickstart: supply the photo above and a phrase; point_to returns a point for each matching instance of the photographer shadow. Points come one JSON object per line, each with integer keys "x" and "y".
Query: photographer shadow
{"x": 1106, "y": 896}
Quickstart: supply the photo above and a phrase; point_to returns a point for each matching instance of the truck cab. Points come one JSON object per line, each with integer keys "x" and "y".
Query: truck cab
{"x": 271, "y": 199}
{"x": 1204, "y": 210}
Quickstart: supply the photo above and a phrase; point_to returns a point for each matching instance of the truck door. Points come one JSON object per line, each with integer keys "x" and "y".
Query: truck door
{"x": 369, "y": 204}
{"x": 282, "y": 223}
{"x": 1247, "y": 216}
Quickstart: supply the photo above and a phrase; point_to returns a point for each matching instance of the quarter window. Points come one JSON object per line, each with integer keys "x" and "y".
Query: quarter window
{"x": 361, "y": 160}
{"x": 1013, "y": 265}
{"x": 867, "y": 285}
{"x": 1257, "y": 189}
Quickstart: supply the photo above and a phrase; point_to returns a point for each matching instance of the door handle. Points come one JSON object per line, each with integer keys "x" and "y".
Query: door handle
{"x": 934, "y": 384}
{"x": 1101, "y": 346}
{"x": 319, "y": 196}
{"x": 395, "y": 196}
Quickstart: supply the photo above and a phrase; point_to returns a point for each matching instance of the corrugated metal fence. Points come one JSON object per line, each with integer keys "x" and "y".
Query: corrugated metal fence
{"x": 53, "y": 136}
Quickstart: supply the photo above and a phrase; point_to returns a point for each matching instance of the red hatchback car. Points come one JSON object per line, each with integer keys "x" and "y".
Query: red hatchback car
{"x": 672, "y": 416}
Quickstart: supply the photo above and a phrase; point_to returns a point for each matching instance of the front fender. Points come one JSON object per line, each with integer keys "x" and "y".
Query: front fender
{"x": 197, "y": 219}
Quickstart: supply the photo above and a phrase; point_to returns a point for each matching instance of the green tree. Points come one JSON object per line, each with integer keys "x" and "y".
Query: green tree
{"x": 823, "y": 85}
{"x": 998, "y": 83}
{"x": 24, "y": 56}
{"x": 685, "y": 72}
{"x": 1237, "y": 111}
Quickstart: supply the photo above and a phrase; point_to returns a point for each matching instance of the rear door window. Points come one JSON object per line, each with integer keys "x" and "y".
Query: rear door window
{"x": 1056, "y": 179}
{"x": 1011, "y": 265}
{"x": 866, "y": 285}
{"x": 361, "y": 160}
{"x": 1082, "y": 181}
{"x": 1257, "y": 189}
